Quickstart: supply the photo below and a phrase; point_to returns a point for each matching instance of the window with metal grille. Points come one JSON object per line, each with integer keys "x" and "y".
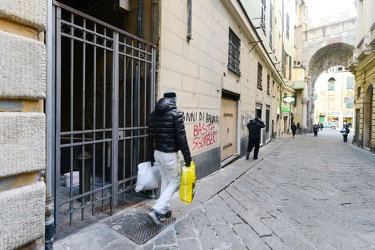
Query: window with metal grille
{"x": 268, "y": 84}
{"x": 234, "y": 53}
{"x": 259, "y": 82}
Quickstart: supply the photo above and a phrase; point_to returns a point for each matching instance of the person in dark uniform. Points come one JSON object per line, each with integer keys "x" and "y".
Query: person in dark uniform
{"x": 254, "y": 127}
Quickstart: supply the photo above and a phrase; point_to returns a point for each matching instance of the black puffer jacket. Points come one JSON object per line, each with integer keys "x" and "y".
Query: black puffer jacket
{"x": 254, "y": 128}
{"x": 167, "y": 130}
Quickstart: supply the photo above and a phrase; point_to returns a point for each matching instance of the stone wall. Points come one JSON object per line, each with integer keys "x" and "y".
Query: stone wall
{"x": 22, "y": 123}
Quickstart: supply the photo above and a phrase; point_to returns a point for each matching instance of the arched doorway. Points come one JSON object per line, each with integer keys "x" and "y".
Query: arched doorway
{"x": 367, "y": 121}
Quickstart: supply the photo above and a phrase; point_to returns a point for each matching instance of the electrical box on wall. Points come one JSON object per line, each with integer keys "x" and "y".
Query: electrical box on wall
{"x": 122, "y": 5}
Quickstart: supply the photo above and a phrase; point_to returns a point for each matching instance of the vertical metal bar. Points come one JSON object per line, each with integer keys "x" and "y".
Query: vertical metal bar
{"x": 143, "y": 122}
{"x": 71, "y": 114}
{"x": 136, "y": 107}
{"x": 152, "y": 78}
{"x": 137, "y": 84}
{"x": 94, "y": 120}
{"x": 83, "y": 121}
{"x": 104, "y": 98}
{"x": 132, "y": 105}
{"x": 124, "y": 112}
{"x": 123, "y": 166}
{"x": 152, "y": 93}
{"x": 58, "y": 117}
{"x": 115, "y": 105}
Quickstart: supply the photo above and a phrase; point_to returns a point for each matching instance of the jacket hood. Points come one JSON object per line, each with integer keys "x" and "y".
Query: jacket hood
{"x": 253, "y": 122}
{"x": 165, "y": 104}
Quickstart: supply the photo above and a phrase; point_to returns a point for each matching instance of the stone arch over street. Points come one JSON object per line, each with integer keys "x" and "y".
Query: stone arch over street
{"x": 323, "y": 59}
{"x": 323, "y": 47}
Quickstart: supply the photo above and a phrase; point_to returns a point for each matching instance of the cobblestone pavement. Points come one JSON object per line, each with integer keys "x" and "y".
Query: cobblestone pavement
{"x": 302, "y": 193}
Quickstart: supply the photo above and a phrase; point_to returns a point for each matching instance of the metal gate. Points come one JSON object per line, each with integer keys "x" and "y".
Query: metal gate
{"x": 104, "y": 92}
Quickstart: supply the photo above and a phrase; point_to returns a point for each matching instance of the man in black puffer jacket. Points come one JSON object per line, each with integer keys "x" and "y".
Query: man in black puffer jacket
{"x": 166, "y": 136}
{"x": 254, "y": 127}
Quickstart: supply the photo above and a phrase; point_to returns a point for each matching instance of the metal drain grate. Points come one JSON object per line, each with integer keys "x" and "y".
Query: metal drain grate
{"x": 136, "y": 225}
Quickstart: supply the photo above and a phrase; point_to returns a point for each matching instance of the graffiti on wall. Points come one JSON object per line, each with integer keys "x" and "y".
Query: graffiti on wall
{"x": 205, "y": 132}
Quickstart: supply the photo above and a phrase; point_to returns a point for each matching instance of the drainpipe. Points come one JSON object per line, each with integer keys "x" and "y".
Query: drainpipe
{"x": 50, "y": 145}
{"x": 140, "y": 16}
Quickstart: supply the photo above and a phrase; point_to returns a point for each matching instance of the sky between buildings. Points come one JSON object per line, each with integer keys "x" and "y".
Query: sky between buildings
{"x": 330, "y": 10}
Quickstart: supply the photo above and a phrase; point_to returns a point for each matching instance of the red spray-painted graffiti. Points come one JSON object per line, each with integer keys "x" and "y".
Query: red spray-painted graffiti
{"x": 205, "y": 132}
{"x": 204, "y": 135}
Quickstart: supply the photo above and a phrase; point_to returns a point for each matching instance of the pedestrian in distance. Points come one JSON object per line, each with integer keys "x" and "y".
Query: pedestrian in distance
{"x": 254, "y": 127}
{"x": 294, "y": 128}
{"x": 345, "y": 131}
{"x": 299, "y": 128}
{"x": 315, "y": 129}
{"x": 166, "y": 136}
{"x": 321, "y": 126}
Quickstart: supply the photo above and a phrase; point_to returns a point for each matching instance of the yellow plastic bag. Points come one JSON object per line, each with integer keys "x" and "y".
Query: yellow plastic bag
{"x": 187, "y": 183}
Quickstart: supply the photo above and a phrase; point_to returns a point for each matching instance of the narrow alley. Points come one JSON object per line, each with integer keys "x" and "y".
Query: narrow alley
{"x": 302, "y": 193}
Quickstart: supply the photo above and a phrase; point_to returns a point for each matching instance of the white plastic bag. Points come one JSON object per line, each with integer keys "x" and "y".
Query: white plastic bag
{"x": 148, "y": 177}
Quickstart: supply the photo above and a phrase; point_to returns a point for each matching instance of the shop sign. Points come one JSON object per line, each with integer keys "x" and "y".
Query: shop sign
{"x": 333, "y": 113}
{"x": 289, "y": 99}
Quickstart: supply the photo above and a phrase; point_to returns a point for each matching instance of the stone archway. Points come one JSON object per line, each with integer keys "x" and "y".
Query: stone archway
{"x": 367, "y": 119}
{"x": 324, "y": 58}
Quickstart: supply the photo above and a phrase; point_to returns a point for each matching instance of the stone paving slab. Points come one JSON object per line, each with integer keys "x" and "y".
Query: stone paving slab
{"x": 297, "y": 195}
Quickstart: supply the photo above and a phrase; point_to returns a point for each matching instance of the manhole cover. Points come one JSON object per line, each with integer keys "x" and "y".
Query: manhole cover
{"x": 136, "y": 225}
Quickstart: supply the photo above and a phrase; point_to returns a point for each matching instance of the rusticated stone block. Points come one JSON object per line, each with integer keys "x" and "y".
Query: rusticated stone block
{"x": 23, "y": 67}
{"x": 31, "y": 13}
{"x": 22, "y": 142}
{"x": 22, "y": 215}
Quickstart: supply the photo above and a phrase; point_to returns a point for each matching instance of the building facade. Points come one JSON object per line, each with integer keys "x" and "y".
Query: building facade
{"x": 334, "y": 97}
{"x": 361, "y": 65}
{"x": 233, "y": 64}
{"x": 86, "y": 110}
